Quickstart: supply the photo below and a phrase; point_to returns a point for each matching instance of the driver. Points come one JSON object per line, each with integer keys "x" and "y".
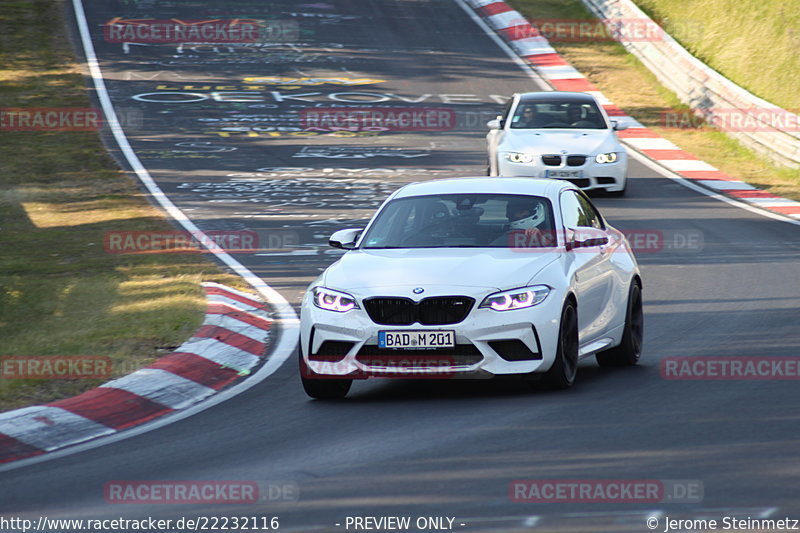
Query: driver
{"x": 574, "y": 114}
{"x": 526, "y": 226}
{"x": 528, "y": 117}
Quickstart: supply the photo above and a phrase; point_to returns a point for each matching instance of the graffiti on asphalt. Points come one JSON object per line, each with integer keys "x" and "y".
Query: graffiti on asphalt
{"x": 358, "y": 152}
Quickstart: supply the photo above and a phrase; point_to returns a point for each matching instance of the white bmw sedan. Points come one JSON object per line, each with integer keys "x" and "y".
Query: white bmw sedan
{"x": 473, "y": 277}
{"x": 559, "y": 135}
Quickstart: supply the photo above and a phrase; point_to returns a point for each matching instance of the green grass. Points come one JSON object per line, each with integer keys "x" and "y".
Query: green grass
{"x": 61, "y": 293}
{"x": 754, "y": 43}
{"x": 630, "y": 85}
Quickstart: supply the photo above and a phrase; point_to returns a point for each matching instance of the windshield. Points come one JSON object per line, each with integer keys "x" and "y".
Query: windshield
{"x": 557, "y": 114}
{"x": 463, "y": 221}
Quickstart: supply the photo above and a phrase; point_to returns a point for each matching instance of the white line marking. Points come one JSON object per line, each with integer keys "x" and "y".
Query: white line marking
{"x": 503, "y": 46}
{"x": 651, "y": 143}
{"x": 284, "y": 315}
{"x": 679, "y": 165}
{"x": 689, "y": 184}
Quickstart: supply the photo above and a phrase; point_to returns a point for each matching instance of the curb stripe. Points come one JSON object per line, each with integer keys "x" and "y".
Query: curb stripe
{"x": 545, "y": 60}
{"x": 248, "y": 318}
{"x": 116, "y": 408}
{"x": 12, "y": 449}
{"x": 219, "y": 298}
{"x": 198, "y": 369}
{"x": 706, "y": 175}
{"x": 721, "y": 185}
{"x": 48, "y": 427}
{"x": 215, "y": 291}
{"x": 232, "y": 338}
{"x": 221, "y": 353}
{"x": 576, "y": 85}
{"x": 225, "y": 321}
{"x": 528, "y": 42}
{"x": 649, "y": 143}
{"x": 230, "y": 343}
{"x": 671, "y": 155}
{"x": 637, "y": 133}
{"x": 495, "y": 8}
{"x": 163, "y": 387}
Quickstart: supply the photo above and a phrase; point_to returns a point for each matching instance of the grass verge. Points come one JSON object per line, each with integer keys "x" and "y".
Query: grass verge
{"x": 752, "y": 42}
{"x": 61, "y": 293}
{"x": 630, "y": 85}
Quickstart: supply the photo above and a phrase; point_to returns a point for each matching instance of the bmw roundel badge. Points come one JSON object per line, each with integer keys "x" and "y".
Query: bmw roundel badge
{"x": 419, "y": 290}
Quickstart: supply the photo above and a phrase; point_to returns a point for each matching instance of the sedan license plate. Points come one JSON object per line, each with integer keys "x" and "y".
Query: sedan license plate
{"x": 416, "y": 339}
{"x": 563, "y": 174}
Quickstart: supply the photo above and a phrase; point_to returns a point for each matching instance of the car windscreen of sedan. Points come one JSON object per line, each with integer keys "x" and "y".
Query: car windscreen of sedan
{"x": 557, "y": 114}
{"x": 463, "y": 221}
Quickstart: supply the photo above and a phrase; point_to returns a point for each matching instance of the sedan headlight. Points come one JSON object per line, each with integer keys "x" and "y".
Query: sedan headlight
{"x": 610, "y": 157}
{"x": 516, "y": 298}
{"x": 518, "y": 157}
{"x": 331, "y": 300}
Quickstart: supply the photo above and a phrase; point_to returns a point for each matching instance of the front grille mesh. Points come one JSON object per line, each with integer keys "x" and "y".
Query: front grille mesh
{"x": 434, "y": 311}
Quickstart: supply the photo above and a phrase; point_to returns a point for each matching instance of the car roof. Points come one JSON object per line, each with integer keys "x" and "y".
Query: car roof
{"x": 561, "y": 96}
{"x": 483, "y": 185}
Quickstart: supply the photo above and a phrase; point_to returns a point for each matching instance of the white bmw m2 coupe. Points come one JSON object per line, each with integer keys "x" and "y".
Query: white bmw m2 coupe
{"x": 471, "y": 277}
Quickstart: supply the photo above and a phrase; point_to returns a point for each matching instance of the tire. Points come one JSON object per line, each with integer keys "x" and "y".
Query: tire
{"x": 630, "y": 349}
{"x": 323, "y": 388}
{"x": 562, "y": 374}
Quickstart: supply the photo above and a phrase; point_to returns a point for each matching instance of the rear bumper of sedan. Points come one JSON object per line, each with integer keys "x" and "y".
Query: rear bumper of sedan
{"x": 592, "y": 175}
{"x": 487, "y": 342}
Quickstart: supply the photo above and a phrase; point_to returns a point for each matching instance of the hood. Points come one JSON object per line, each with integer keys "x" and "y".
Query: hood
{"x": 587, "y": 142}
{"x": 441, "y": 268}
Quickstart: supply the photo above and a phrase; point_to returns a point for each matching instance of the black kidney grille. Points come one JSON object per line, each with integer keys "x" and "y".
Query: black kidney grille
{"x": 434, "y": 311}
{"x": 575, "y": 160}
{"x": 390, "y": 311}
{"x": 551, "y": 160}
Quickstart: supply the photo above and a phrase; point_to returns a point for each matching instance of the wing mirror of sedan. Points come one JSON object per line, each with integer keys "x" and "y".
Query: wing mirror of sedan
{"x": 345, "y": 239}
{"x": 618, "y": 126}
{"x": 582, "y": 239}
{"x": 495, "y": 124}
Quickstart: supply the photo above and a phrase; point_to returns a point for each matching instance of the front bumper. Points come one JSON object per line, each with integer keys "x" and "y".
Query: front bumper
{"x": 488, "y": 342}
{"x": 595, "y": 176}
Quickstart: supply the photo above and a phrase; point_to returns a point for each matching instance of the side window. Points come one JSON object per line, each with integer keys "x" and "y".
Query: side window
{"x": 595, "y": 220}
{"x": 578, "y": 212}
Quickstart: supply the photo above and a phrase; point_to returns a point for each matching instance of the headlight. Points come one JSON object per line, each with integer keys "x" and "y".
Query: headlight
{"x": 516, "y": 298}
{"x": 610, "y": 157}
{"x": 331, "y": 300}
{"x": 517, "y": 157}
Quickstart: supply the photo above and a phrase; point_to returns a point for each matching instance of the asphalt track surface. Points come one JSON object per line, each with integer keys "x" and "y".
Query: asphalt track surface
{"x": 727, "y": 283}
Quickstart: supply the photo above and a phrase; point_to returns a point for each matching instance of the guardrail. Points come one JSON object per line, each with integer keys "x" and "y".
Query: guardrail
{"x": 707, "y": 92}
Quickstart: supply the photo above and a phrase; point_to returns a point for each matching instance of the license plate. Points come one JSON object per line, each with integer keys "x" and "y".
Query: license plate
{"x": 416, "y": 339}
{"x": 562, "y": 174}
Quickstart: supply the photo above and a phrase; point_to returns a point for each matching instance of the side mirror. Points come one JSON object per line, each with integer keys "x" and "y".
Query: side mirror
{"x": 618, "y": 126}
{"x": 345, "y": 239}
{"x": 496, "y": 124}
{"x": 585, "y": 238}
